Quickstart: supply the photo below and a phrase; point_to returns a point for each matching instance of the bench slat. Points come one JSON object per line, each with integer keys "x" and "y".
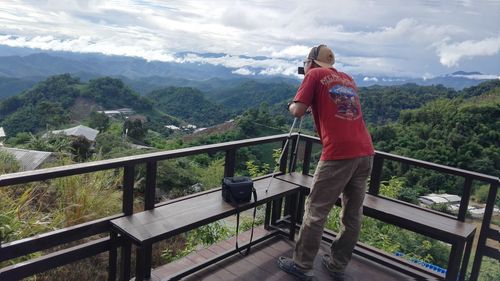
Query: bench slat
{"x": 165, "y": 221}
{"x": 410, "y": 217}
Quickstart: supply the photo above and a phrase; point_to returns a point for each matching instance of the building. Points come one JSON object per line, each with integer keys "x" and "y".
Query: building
{"x": 445, "y": 198}
{"x": 2, "y": 136}
{"x": 80, "y": 130}
{"x": 111, "y": 113}
{"x": 126, "y": 111}
{"x": 29, "y": 159}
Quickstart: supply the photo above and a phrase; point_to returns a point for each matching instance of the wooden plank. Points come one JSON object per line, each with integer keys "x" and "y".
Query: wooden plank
{"x": 52, "y": 260}
{"x": 168, "y": 220}
{"x": 417, "y": 219}
{"x": 54, "y": 238}
{"x": 88, "y": 167}
{"x": 404, "y": 215}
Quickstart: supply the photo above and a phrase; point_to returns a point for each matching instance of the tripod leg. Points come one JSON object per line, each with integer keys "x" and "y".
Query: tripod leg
{"x": 294, "y": 155}
{"x": 283, "y": 149}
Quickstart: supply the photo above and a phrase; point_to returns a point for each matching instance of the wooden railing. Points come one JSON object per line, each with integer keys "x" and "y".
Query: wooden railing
{"x": 15, "y": 249}
{"x": 486, "y": 232}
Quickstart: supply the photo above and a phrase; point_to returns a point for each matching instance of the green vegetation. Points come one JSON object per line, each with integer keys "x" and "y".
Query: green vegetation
{"x": 463, "y": 133}
{"x": 382, "y": 104}
{"x": 393, "y": 239}
{"x": 436, "y": 124}
{"x": 190, "y": 105}
{"x": 251, "y": 94}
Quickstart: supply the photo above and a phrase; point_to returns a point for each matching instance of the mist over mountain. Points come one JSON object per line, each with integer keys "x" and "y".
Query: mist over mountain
{"x": 21, "y": 68}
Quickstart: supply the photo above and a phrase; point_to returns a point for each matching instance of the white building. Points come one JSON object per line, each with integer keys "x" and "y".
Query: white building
{"x": 172, "y": 127}
{"x": 2, "y": 136}
{"x": 433, "y": 198}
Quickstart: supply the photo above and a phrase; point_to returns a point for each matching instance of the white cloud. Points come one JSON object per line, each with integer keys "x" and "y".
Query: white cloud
{"x": 292, "y": 52}
{"x": 85, "y": 44}
{"x": 478, "y": 76}
{"x": 243, "y": 71}
{"x": 388, "y": 38}
{"x": 451, "y": 54}
{"x": 375, "y": 79}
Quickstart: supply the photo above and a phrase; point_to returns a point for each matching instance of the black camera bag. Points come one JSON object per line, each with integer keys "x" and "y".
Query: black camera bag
{"x": 236, "y": 190}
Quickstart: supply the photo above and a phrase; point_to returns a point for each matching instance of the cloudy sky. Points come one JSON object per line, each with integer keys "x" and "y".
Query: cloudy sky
{"x": 385, "y": 37}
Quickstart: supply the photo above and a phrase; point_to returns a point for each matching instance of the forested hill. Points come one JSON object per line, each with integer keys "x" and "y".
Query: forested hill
{"x": 64, "y": 100}
{"x": 383, "y": 104}
{"x": 190, "y": 105}
{"x": 460, "y": 132}
{"x": 50, "y": 104}
{"x": 251, "y": 93}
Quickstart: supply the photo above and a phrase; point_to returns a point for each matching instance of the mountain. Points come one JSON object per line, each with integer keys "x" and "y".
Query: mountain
{"x": 461, "y": 132}
{"x": 456, "y": 80}
{"x": 190, "y": 105}
{"x": 24, "y": 62}
{"x": 12, "y": 86}
{"x": 63, "y": 100}
{"x": 45, "y": 64}
{"x": 252, "y": 93}
{"x": 382, "y": 104}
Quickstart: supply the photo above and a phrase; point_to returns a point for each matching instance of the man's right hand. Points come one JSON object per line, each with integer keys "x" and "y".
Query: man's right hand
{"x": 298, "y": 109}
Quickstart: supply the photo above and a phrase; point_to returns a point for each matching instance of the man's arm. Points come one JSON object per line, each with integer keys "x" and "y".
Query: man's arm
{"x": 297, "y": 109}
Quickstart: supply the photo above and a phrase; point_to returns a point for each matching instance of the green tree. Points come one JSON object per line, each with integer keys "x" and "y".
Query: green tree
{"x": 81, "y": 148}
{"x": 99, "y": 121}
{"x": 134, "y": 129}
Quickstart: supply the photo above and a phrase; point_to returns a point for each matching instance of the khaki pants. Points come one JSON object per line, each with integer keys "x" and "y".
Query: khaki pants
{"x": 330, "y": 180}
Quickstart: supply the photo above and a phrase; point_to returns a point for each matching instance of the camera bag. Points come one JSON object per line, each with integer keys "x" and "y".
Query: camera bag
{"x": 236, "y": 190}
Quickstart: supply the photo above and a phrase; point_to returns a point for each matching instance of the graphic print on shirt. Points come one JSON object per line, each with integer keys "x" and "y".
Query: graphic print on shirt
{"x": 347, "y": 102}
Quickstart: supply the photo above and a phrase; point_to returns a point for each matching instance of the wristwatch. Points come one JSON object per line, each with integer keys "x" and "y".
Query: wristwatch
{"x": 288, "y": 105}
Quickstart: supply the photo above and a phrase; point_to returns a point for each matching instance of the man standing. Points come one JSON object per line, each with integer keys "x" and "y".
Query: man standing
{"x": 344, "y": 166}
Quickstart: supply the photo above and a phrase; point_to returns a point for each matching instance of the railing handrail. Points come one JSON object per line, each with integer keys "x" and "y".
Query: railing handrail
{"x": 75, "y": 169}
{"x": 41, "y": 242}
{"x": 128, "y": 163}
{"x": 88, "y": 167}
{"x": 430, "y": 165}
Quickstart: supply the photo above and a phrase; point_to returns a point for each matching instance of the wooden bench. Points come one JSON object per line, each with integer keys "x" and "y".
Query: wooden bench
{"x": 184, "y": 214}
{"x": 417, "y": 219}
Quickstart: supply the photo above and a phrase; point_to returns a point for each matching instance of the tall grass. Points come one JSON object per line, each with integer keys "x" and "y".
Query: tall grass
{"x": 39, "y": 207}
{"x": 86, "y": 197}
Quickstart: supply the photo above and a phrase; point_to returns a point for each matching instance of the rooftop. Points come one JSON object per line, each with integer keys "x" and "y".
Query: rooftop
{"x": 79, "y": 130}
{"x": 29, "y": 159}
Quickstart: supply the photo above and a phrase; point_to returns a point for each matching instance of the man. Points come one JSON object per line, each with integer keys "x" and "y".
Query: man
{"x": 344, "y": 166}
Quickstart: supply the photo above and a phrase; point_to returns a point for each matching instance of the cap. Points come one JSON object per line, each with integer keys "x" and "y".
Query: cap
{"x": 322, "y": 55}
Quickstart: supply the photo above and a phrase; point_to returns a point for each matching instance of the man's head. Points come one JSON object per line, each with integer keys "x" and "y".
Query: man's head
{"x": 321, "y": 55}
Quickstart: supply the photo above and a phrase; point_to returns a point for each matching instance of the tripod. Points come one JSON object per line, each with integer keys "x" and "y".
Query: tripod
{"x": 294, "y": 154}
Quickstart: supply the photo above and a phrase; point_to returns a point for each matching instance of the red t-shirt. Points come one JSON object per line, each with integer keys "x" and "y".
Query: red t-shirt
{"x": 333, "y": 97}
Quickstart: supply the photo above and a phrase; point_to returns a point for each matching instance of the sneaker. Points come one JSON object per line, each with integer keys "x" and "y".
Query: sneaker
{"x": 336, "y": 275}
{"x": 288, "y": 265}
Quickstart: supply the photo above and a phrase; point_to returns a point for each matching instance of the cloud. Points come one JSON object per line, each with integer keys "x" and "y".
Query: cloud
{"x": 85, "y": 44}
{"x": 243, "y": 71}
{"x": 296, "y": 51}
{"x": 478, "y": 76}
{"x": 451, "y": 54}
{"x": 375, "y": 79}
{"x": 387, "y": 39}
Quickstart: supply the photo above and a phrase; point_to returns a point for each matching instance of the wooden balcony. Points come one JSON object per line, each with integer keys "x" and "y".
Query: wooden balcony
{"x": 283, "y": 213}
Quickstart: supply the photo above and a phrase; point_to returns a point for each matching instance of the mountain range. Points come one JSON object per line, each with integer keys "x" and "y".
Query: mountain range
{"x": 21, "y": 68}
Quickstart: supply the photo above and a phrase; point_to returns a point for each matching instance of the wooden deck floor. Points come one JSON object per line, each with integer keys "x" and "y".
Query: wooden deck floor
{"x": 261, "y": 264}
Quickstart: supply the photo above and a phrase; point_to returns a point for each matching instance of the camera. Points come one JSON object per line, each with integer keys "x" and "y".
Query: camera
{"x": 300, "y": 70}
